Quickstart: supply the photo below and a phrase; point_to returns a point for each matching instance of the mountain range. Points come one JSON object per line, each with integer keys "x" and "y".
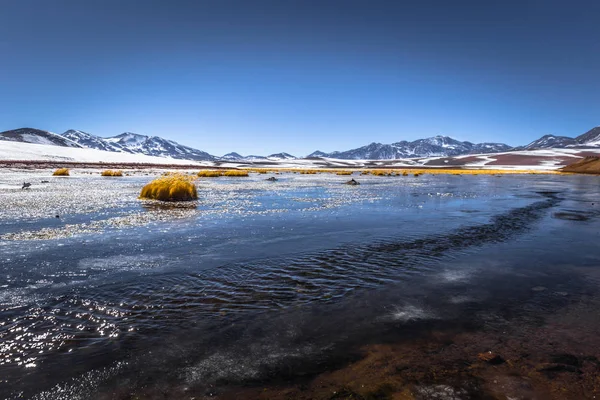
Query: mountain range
{"x": 589, "y": 139}
{"x": 138, "y": 144}
{"x": 442, "y": 146}
{"x": 438, "y": 146}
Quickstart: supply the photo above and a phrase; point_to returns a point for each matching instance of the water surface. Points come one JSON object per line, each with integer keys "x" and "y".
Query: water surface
{"x": 106, "y": 296}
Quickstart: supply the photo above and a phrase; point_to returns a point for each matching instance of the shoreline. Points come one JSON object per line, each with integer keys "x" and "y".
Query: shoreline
{"x": 25, "y": 166}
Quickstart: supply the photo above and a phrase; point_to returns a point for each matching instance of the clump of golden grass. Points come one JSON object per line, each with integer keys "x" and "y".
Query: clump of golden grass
{"x": 343, "y": 173}
{"x": 379, "y": 172}
{"x": 268, "y": 170}
{"x": 110, "y": 172}
{"x": 61, "y": 172}
{"x": 308, "y": 171}
{"x": 209, "y": 174}
{"x": 175, "y": 187}
{"x": 235, "y": 172}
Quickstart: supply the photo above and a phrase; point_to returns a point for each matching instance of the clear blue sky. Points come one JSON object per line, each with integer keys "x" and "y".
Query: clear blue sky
{"x": 260, "y": 77}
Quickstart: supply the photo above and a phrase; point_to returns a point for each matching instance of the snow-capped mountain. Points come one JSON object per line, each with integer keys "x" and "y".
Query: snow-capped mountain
{"x": 317, "y": 153}
{"x": 233, "y": 156}
{"x": 281, "y": 156}
{"x": 548, "y": 142}
{"x": 37, "y": 136}
{"x": 484, "y": 148}
{"x": 130, "y": 140}
{"x": 438, "y": 146}
{"x": 273, "y": 157}
{"x": 590, "y": 138}
{"x": 94, "y": 142}
{"x": 253, "y": 157}
{"x": 138, "y": 144}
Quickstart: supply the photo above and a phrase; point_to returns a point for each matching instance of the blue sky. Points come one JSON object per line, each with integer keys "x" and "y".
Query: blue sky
{"x": 259, "y": 77}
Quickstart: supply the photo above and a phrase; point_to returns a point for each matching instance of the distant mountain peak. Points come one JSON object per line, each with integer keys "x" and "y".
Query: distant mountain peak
{"x": 135, "y": 143}
{"x": 37, "y": 136}
{"x": 441, "y": 146}
{"x": 281, "y": 156}
{"x": 130, "y": 134}
{"x": 590, "y": 138}
{"x": 549, "y": 141}
{"x": 435, "y": 146}
{"x": 317, "y": 153}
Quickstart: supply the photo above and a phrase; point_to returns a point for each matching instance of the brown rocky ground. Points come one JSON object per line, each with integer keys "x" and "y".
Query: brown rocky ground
{"x": 514, "y": 360}
{"x": 589, "y": 165}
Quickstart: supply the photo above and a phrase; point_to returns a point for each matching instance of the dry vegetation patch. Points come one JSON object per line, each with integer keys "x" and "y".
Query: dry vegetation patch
{"x": 61, "y": 172}
{"x": 110, "y": 172}
{"x": 236, "y": 172}
{"x": 209, "y": 174}
{"x": 176, "y": 187}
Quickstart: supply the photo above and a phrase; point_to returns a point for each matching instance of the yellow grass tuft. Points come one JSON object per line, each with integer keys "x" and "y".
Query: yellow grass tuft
{"x": 235, "y": 172}
{"x": 344, "y": 173}
{"x": 175, "y": 187}
{"x": 110, "y": 172}
{"x": 379, "y": 172}
{"x": 209, "y": 174}
{"x": 61, "y": 172}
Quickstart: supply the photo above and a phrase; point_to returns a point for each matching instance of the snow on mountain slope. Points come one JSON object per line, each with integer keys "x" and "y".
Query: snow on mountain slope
{"x": 590, "y": 138}
{"x": 273, "y": 157}
{"x": 36, "y": 136}
{"x": 548, "y": 142}
{"x": 94, "y": 142}
{"x": 482, "y": 148}
{"x": 130, "y": 140}
{"x": 438, "y": 146}
{"x": 157, "y": 146}
{"x": 233, "y": 156}
{"x": 281, "y": 156}
{"x": 138, "y": 144}
{"x": 317, "y": 153}
{"x": 254, "y": 158}
{"x": 43, "y": 152}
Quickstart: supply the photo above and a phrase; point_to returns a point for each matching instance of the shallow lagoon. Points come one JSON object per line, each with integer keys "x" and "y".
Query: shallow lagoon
{"x": 264, "y": 283}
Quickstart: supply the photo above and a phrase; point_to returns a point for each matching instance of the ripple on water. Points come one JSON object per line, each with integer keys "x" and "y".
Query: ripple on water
{"x": 71, "y": 321}
{"x": 87, "y": 317}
